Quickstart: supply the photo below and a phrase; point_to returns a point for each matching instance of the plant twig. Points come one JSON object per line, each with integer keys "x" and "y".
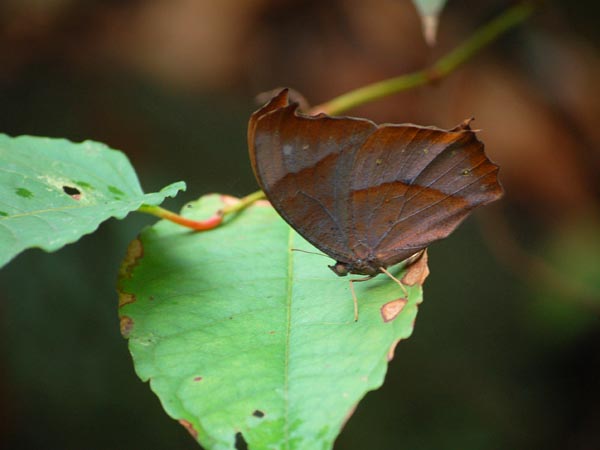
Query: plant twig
{"x": 198, "y": 225}
{"x": 207, "y": 224}
{"x": 443, "y": 67}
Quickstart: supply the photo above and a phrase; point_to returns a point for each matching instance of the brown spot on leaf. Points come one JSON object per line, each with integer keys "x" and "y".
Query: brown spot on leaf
{"x": 189, "y": 427}
{"x": 126, "y": 325}
{"x": 125, "y": 298}
{"x": 392, "y": 349}
{"x": 417, "y": 272}
{"x": 258, "y": 413}
{"x": 197, "y": 378}
{"x": 390, "y": 310}
{"x": 134, "y": 253}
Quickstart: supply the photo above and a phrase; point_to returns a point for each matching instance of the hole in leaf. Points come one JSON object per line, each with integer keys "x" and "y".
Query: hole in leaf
{"x": 240, "y": 442}
{"x": 72, "y": 191}
{"x": 258, "y": 413}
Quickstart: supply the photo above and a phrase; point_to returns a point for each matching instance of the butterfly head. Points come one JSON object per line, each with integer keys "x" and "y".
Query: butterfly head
{"x": 358, "y": 267}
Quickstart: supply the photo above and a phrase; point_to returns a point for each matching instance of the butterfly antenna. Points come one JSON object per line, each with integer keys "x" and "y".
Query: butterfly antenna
{"x": 310, "y": 253}
{"x": 384, "y": 270}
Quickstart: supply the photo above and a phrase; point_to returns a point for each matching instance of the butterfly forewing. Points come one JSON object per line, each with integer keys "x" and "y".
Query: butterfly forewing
{"x": 302, "y": 164}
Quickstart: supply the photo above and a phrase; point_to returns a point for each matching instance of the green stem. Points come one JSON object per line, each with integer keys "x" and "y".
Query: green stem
{"x": 243, "y": 203}
{"x": 444, "y": 66}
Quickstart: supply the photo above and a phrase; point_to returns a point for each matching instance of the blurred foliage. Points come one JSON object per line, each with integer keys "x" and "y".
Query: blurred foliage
{"x": 513, "y": 364}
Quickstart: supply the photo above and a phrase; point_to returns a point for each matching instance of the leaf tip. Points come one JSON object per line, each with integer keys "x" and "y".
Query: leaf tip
{"x": 429, "y": 12}
{"x": 430, "y": 23}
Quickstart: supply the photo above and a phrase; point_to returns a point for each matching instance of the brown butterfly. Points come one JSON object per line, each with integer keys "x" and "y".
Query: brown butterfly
{"x": 368, "y": 196}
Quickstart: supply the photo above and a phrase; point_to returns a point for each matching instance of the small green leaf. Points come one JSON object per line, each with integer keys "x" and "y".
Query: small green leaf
{"x": 429, "y": 11}
{"x": 53, "y": 191}
{"x": 238, "y": 333}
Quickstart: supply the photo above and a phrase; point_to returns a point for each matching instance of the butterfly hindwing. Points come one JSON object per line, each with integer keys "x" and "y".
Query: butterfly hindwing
{"x": 414, "y": 185}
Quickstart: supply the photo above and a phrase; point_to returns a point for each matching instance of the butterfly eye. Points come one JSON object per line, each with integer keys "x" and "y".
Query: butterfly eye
{"x": 340, "y": 269}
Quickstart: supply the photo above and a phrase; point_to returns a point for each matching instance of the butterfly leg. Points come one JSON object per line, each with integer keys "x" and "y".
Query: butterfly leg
{"x": 384, "y": 270}
{"x": 354, "y": 299}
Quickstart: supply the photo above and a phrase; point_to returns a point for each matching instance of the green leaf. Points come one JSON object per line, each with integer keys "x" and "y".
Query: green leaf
{"x": 53, "y": 191}
{"x": 238, "y": 334}
{"x": 429, "y": 11}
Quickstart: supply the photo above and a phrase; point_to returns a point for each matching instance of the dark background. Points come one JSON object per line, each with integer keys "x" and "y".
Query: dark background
{"x": 506, "y": 350}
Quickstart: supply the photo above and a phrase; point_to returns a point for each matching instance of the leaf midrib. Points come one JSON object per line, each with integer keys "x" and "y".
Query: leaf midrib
{"x": 290, "y": 287}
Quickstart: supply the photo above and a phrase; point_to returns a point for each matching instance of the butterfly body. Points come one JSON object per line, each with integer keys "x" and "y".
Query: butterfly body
{"x": 359, "y": 266}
